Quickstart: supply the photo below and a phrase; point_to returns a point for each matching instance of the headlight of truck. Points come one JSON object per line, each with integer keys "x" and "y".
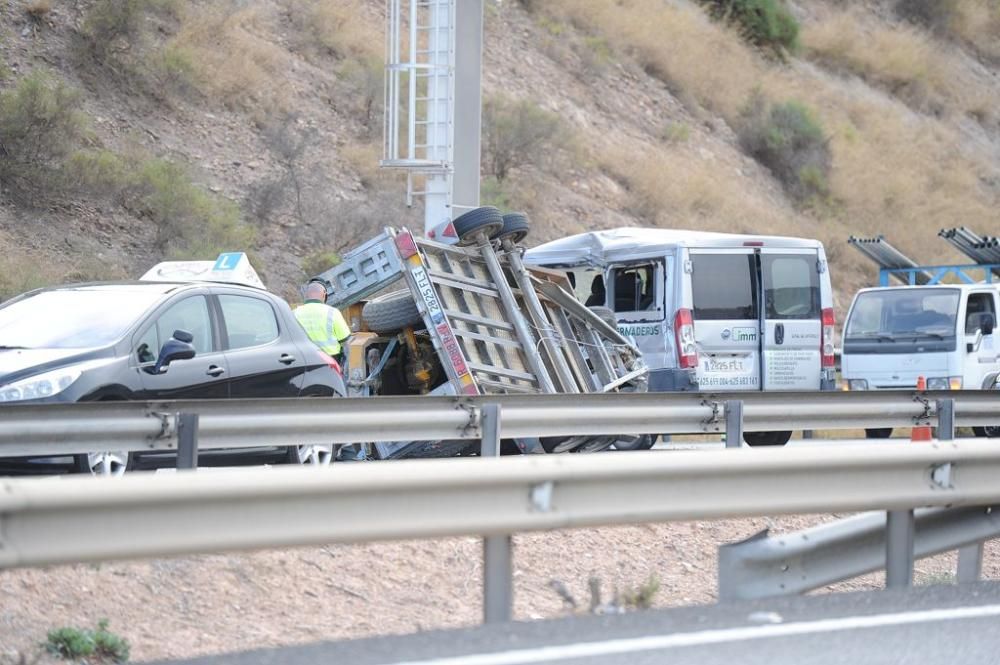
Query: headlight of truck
{"x": 40, "y": 385}
{"x": 938, "y": 383}
{"x": 858, "y": 384}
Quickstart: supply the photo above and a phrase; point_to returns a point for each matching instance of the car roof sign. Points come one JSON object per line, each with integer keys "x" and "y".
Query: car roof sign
{"x": 229, "y": 267}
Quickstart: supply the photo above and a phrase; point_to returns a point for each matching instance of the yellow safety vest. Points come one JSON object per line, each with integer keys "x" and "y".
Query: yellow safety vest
{"x": 325, "y": 325}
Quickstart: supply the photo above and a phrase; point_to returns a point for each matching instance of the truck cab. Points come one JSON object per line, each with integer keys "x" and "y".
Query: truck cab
{"x": 944, "y": 333}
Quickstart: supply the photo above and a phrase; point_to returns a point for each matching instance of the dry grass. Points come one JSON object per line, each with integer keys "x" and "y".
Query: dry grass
{"x": 676, "y": 43}
{"x": 363, "y": 159}
{"x": 680, "y": 188}
{"x": 977, "y": 22}
{"x": 903, "y": 59}
{"x": 345, "y": 28}
{"x": 235, "y": 58}
{"x": 38, "y": 9}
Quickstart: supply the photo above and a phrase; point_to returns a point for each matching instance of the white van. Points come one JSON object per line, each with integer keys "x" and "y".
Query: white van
{"x": 944, "y": 333}
{"x": 710, "y": 311}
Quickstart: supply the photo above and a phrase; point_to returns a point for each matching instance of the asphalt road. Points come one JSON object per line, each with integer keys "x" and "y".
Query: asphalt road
{"x": 955, "y": 625}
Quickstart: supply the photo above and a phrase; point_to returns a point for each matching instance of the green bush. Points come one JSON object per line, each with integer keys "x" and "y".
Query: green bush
{"x": 319, "y": 262}
{"x": 75, "y": 643}
{"x": 493, "y": 192}
{"x": 39, "y": 127}
{"x": 516, "y": 134}
{"x": 788, "y": 139}
{"x": 190, "y": 222}
{"x": 766, "y": 23}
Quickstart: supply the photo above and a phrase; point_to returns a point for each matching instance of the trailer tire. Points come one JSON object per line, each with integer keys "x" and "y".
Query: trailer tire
{"x": 487, "y": 220}
{"x": 390, "y": 313}
{"x": 515, "y": 227}
{"x": 767, "y": 438}
{"x": 638, "y": 442}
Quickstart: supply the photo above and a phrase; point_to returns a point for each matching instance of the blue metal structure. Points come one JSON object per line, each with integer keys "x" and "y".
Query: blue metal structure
{"x": 965, "y": 274}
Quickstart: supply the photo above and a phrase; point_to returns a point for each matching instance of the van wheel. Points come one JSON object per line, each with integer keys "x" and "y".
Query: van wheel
{"x": 486, "y": 220}
{"x": 639, "y": 442}
{"x": 767, "y": 438}
{"x": 878, "y": 433}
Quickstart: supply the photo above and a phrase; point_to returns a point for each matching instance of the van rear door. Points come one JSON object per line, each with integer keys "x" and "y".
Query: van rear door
{"x": 725, "y": 292}
{"x": 792, "y": 311}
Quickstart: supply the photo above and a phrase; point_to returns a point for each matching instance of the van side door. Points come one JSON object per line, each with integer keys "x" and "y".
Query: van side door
{"x": 725, "y": 294}
{"x": 635, "y": 293}
{"x": 792, "y": 314}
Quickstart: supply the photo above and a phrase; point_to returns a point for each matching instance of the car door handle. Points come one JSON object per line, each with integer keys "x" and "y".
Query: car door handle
{"x": 215, "y": 370}
{"x": 286, "y": 359}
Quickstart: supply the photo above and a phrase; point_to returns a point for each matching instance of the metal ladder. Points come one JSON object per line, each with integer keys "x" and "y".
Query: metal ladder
{"x": 420, "y": 87}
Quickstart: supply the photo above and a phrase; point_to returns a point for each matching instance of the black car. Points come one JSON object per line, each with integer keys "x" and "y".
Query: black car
{"x": 159, "y": 340}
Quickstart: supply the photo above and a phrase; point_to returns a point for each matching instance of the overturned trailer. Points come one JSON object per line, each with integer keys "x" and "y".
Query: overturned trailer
{"x": 471, "y": 319}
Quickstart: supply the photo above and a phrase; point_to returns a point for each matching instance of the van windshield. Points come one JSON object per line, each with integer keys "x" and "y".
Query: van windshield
{"x": 895, "y": 314}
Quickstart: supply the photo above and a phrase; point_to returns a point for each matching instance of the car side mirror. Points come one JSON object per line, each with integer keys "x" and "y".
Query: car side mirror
{"x": 178, "y": 347}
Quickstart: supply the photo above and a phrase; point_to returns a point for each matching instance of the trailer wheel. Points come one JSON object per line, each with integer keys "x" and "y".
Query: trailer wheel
{"x": 638, "y": 442}
{"x": 767, "y": 438}
{"x": 391, "y": 313}
{"x": 486, "y": 220}
{"x": 515, "y": 227}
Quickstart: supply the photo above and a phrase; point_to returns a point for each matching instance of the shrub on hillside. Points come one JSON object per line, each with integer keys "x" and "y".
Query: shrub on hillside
{"x": 39, "y": 127}
{"x": 936, "y": 15}
{"x": 788, "y": 139}
{"x": 319, "y": 261}
{"x": 516, "y": 134}
{"x": 766, "y": 23}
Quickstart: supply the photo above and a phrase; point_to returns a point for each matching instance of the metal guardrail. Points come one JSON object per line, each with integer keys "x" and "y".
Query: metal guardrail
{"x": 86, "y": 519}
{"x": 55, "y": 429}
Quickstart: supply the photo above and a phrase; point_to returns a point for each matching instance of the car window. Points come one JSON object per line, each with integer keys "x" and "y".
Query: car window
{"x": 724, "y": 286}
{"x": 635, "y": 288}
{"x": 249, "y": 321}
{"x": 75, "y": 318}
{"x": 976, "y": 308}
{"x": 191, "y": 315}
{"x": 791, "y": 286}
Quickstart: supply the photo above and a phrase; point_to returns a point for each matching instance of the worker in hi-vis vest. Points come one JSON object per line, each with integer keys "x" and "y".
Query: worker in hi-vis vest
{"x": 325, "y": 325}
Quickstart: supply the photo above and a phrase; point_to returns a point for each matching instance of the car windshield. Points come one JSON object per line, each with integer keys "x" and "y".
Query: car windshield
{"x": 898, "y": 313}
{"x": 74, "y": 318}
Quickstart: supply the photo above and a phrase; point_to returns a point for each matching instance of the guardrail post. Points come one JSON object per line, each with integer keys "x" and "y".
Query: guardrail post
{"x": 970, "y": 563}
{"x": 899, "y": 549}
{"x": 946, "y": 419}
{"x": 734, "y": 423}
{"x": 187, "y": 441}
{"x": 498, "y": 557}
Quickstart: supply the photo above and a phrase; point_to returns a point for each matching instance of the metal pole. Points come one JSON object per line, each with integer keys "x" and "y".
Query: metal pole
{"x": 498, "y": 556}
{"x": 970, "y": 563}
{"x": 187, "y": 441}
{"x": 899, "y": 549}
{"x": 734, "y": 423}
{"x": 468, "y": 104}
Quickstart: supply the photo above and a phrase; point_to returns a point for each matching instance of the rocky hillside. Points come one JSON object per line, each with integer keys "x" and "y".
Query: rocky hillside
{"x": 141, "y": 129}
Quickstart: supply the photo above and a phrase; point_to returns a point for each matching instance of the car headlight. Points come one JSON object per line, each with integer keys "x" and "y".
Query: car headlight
{"x": 40, "y": 385}
{"x": 938, "y": 383}
{"x": 858, "y": 384}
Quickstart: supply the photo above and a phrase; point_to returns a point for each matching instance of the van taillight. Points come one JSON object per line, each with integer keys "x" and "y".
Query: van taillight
{"x": 684, "y": 332}
{"x": 332, "y": 362}
{"x": 826, "y": 344}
